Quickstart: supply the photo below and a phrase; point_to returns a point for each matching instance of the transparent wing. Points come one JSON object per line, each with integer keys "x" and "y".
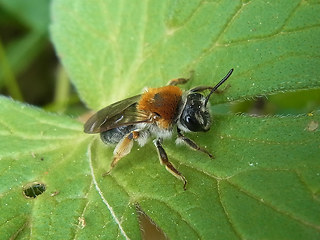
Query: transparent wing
{"x": 118, "y": 114}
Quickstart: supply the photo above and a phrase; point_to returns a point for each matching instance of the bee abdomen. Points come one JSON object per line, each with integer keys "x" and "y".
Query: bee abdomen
{"x": 113, "y": 136}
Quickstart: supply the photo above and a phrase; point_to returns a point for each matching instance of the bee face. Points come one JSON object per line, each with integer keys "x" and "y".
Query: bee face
{"x": 195, "y": 116}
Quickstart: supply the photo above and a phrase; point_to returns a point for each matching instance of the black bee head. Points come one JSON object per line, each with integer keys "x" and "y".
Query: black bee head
{"x": 195, "y": 116}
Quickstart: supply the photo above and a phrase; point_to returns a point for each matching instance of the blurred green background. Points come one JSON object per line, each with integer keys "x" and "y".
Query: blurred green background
{"x": 30, "y": 71}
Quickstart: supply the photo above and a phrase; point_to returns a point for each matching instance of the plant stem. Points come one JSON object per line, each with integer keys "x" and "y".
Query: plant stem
{"x": 8, "y": 76}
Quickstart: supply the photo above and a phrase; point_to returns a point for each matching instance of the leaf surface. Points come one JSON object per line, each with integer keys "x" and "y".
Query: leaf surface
{"x": 264, "y": 181}
{"x": 114, "y": 50}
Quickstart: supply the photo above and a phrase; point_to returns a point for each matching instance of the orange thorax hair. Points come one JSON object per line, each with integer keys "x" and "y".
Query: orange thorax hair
{"x": 162, "y": 101}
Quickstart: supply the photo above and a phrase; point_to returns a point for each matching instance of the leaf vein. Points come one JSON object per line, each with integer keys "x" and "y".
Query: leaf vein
{"x": 102, "y": 197}
{"x": 234, "y": 229}
{"x": 268, "y": 204}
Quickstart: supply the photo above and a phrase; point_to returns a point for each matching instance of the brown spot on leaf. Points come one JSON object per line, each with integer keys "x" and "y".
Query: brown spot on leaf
{"x": 148, "y": 228}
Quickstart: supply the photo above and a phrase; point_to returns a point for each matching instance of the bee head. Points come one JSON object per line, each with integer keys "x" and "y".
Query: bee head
{"x": 195, "y": 116}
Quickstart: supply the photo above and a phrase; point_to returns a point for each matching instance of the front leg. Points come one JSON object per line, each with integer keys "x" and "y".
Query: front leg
{"x": 192, "y": 144}
{"x": 164, "y": 161}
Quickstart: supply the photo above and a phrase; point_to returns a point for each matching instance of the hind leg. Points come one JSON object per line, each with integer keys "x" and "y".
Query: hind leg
{"x": 122, "y": 149}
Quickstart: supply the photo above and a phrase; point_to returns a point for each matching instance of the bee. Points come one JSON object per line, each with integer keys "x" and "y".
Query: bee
{"x": 155, "y": 113}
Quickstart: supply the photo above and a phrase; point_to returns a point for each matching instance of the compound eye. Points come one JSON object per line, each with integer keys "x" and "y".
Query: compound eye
{"x": 188, "y": 119}
{"x": 198, "y": 122}
{"x": 191, "y": 123}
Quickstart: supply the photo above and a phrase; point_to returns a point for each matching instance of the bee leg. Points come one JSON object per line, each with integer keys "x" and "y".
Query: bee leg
{"x": 203, "y": 88}
{"x": 122, "y": 149}
{"x": 164, "y": 161}
{"x": 192, "y": 144}
{"x": 176, "y": 81}
{"x": 200, "y": 88}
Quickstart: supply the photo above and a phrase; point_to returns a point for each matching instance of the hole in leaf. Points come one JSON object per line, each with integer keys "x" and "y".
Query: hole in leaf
{"x": 33, "y": 190}
{"x": 148, "y": 228}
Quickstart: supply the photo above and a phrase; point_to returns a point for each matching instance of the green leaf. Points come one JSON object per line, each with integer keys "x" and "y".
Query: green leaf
{"x": 263, "y": 183}
{"x": 38, "y": 147}
{"x": 115, "y": 49}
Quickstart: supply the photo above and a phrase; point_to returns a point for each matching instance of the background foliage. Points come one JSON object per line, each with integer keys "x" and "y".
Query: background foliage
{"x": 264, "y": 182}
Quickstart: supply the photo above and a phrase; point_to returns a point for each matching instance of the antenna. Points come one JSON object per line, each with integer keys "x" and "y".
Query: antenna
{"x": 218, "y": 85}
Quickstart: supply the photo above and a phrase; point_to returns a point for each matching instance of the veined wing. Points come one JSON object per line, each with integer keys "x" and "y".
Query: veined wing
{"x": 118, "y": 114}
